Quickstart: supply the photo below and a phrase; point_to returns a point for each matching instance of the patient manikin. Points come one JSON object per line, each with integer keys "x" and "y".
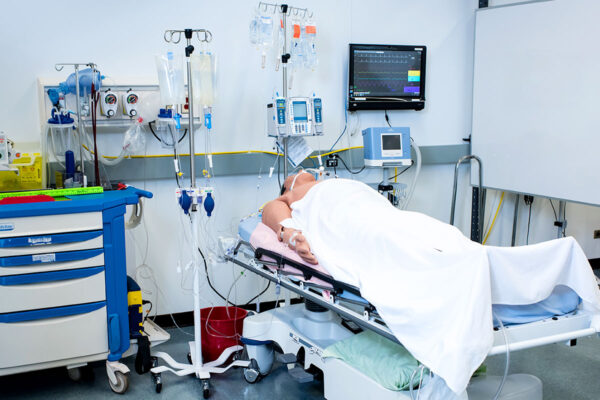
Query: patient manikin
{"x": 433, "y": 287}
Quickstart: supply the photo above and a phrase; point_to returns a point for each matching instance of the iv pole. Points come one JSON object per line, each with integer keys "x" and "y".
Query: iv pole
{"x": 196, "y": 366}
{"x": 284, "y": 9}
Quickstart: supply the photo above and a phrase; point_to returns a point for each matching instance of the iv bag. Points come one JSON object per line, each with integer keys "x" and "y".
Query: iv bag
{"x": 203, "y": 78}
{"x": 170, "y": 79}
{"x": 311, "y": 59}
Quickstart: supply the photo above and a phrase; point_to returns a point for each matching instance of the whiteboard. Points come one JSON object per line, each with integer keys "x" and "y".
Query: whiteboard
{"x": 536, "y": 99}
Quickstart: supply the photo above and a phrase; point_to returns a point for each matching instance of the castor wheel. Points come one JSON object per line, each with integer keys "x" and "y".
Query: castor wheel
{"x": 74, "y": 374}
{"x": 205, "y": 389}
{"x": 157, "y": 382}
{"x": 236, "y": 356}
{"x": 122, "y": 383}
{"x": 252, "y": 373}
{"x": 156, "y": 376}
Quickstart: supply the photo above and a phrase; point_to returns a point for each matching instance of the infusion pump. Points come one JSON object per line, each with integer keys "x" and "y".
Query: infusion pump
{"x": 295, "y": 116}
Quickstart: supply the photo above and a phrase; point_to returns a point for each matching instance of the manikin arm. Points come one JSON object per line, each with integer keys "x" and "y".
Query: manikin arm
{"x": 274, "y": 213}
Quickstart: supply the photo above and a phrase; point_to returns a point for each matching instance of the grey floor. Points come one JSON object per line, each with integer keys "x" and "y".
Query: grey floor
{"x": 566, "y": 372}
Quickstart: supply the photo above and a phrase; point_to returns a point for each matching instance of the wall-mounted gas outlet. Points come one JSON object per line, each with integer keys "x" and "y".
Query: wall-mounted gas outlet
{"x": 597, "y": 234}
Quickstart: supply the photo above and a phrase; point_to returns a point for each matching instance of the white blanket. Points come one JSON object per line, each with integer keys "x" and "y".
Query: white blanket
{"x": 432, "y": 286}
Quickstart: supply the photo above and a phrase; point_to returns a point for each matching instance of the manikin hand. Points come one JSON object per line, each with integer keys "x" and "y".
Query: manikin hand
{"x": 303, "y": 249}
{"x": 297, "y": 241}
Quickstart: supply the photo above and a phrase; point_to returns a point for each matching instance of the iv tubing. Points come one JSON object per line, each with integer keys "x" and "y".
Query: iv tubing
{"x": 416, "y": 175}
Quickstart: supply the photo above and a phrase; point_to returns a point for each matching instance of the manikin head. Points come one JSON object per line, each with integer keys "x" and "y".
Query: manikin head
{"x": 296, "y": 180}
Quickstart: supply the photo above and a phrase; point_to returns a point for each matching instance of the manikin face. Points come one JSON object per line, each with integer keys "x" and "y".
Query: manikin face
{"x": 296, "y": 180}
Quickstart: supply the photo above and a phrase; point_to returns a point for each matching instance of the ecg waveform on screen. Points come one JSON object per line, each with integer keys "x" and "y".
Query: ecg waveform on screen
{"x": 387, "y": 73}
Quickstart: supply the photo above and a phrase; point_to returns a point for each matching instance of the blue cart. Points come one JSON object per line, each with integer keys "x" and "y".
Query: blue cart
{"x": 63, "y": 284}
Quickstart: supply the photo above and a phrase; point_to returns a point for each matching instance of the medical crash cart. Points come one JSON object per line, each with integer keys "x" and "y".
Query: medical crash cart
{"x": 63, "y": 284}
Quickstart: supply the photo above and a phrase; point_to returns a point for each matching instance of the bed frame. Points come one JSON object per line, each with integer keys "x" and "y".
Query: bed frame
{"x": 565, "y": 328}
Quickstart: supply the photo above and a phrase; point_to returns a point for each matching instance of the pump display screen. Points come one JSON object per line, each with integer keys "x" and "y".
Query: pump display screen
{"x": 391, "y": 142}
{"x": 300, "y": 110}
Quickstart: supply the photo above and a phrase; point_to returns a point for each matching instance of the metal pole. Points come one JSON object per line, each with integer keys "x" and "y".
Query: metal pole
{"x": 481, "y": 192}
{"x": 79, "y": 121}
{"x": 562, "y": 221}
{"x": 284, "y": 91}
{"x": 515, "y": 218}
{"x": 454, "y": 189}
{"x": 188, "y": 53}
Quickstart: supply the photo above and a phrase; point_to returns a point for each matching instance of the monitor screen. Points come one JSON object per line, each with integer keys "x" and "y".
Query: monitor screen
{"x": 391, "y": 142}
{"x": 300, "y": 110}
{"x": 381, "y": 75}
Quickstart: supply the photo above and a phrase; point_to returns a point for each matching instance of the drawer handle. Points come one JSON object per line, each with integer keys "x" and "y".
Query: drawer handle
{"x": 36, "y": 315}
{"x": 52, "y": 276}
{"x": 41, "y": 240}
{"x": 76, "y": 255}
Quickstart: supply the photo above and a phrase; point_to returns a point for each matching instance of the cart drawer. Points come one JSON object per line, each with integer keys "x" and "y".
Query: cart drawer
{"x": 95, "y": 260}
{"x": 54, "y": 334}
{"x": 45, "y": 258}
{"x": 51, "y": 289}
{"x": 48, "y": 224}
{"x": 23, "y": 245}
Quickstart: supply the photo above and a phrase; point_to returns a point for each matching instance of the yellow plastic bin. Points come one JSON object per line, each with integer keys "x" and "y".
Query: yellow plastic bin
{"x": 28, "y": 174}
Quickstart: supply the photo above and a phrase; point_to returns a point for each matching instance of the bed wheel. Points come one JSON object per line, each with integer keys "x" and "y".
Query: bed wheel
{"x": 122, "y": 383}
{"x": 251, "y": 373}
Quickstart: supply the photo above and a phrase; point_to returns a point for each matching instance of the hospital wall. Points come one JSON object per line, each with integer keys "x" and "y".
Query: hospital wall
{"x": 122, "y": 38}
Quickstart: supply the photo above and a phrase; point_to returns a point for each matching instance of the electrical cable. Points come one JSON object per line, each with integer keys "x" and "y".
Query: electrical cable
{"x": 171, "y": 130}
{"x": 208, "y": 279}
{"x": 553, "y": 210}
{"x": 337, "y": 151}
{"x": 387, "y": 119}
{"x": 494, "y": 220}
{"x": 348, "y": 169}
{"x": 401, "y": 172}
{"x": 343, "y": 131}
{"x": 258, "y": 295}
{"x": 219, "y": 294}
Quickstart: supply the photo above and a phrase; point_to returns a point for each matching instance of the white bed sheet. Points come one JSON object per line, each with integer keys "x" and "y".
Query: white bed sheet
{"x": 432, "y": 286}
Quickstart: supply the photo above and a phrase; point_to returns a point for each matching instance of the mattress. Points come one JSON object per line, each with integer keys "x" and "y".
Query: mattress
{"x": 563, "y": 300}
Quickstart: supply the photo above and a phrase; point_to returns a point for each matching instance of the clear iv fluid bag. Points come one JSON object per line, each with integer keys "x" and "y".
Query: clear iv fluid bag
{"x": 86, "y": 76}
{"x": 204, "y": 78}
{"x": 311, "y": 59}
{"x": 170, "y": 79}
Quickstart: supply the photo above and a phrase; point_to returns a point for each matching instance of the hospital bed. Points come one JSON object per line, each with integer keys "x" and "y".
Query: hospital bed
{"x": 334, "y": 311}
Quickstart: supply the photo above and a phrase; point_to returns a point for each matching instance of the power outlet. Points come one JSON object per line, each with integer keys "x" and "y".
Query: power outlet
{"x": 597, "y": 234}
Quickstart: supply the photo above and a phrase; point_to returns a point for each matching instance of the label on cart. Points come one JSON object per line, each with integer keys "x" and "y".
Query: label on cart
{"x": 39, "y": 240}
{"x": 7, "y": 227}
{"x": 44, "y": 258}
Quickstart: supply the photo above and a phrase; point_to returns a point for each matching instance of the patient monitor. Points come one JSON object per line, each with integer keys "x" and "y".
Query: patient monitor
{"x": 387, "y": 147}
{"x": 295, "y": 116}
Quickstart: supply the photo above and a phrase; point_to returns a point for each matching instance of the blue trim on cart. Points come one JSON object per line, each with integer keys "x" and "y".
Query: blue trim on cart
{"x": 44, "y": 240}
{"x": 16, "y": 261}
{"x": 47, "y": 313}
{"x": 52, "y": 276}
{"x": 75, "y": 204}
